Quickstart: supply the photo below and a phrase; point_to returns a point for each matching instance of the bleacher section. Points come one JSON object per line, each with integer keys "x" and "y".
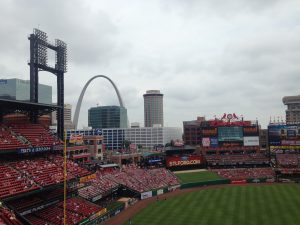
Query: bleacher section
{"x": 36, "y": 134}
{"x": 8, "y": 140}
{"x": 287, "y": 160}
{"x": 136, "y": 179}
{"x": 288, "y": 163}
{"x": 246, "y": 173}
{"x": 237, "y": 159}
{"x": 31, "y": 174}
{"x": 17, "y": 136}
{"x": 14, "y": 182}
{"x": 77, "y": 210}
{"x": 7, "y": 217}
{"x": 100, "y": 186}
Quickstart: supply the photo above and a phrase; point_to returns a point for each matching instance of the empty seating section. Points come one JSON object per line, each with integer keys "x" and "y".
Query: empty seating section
{"x": 42, "y": 171}
{"x": 31, "y": 174}
{"x": 77, "y": 210}
{"x": 232, "y": 159}
{"x": 72, "y": 167}
{"x": 36, "y": 134}
{"x": 8, "y": 140}
{"x": 7, "y": 217}
{"x": 245, "y": 173}
{"x": 13, "y": 182}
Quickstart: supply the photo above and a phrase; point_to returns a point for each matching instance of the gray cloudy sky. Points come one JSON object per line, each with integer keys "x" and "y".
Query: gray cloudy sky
{"x": 208, "y": 57}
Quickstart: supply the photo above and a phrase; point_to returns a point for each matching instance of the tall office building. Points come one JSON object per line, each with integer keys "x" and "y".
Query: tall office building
{"x": 293, "y": 109}
{"x": 67, "y": 117}
{"x": 107, "y": 117}
{"x": 17, "y": 89}
{"x": 153, "y": 108}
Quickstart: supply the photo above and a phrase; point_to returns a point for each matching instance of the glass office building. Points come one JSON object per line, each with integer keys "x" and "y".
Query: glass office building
{"x": 17, "y": 89}
{"x": 107, "y": 117}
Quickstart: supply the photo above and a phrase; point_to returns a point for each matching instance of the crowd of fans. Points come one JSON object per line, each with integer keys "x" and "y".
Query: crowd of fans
{"x": 288, "y": 160}
{"x": 142, "y": 180}
{"x": 246, "y": 173}
{"x": 235, "y": 159}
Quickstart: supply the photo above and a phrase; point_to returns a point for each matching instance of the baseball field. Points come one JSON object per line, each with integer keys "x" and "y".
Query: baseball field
{"x": 276, "y": 204}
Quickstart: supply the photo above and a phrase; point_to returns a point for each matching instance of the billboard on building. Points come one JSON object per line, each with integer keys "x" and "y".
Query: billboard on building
{"x": 175, "y": 161}
{"x": 205, "y": 142}
{"x": 251, "y": 141}
{"x": 76, "y": 139}
{"x": 214, "y": 142}
{"x": 230, "y": 134}
{"x": 251, "y": 131}
{"x": 208, "y": 132}
{"x": 284, "y": 137}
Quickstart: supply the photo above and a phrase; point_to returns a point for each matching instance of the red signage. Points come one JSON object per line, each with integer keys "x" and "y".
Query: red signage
{"x": 210, "y": 132}
{"x": 183, "y": 161}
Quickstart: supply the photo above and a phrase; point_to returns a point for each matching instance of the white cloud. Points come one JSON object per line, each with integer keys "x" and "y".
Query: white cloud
{"x": 207, "y": 57}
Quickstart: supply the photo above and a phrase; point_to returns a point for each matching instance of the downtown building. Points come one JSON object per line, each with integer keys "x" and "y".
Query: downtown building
{"x": 153, "y": 108}
{"x": 293, "y": 109}
{"x": 67, "y": 117}
{"x": 17, "y": 89}
{"x": 107, "y": 117}
{"x": 147, "y": 137}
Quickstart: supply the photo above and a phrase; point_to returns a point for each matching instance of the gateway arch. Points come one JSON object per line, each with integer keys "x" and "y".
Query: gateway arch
{"x": 78, "y": 106}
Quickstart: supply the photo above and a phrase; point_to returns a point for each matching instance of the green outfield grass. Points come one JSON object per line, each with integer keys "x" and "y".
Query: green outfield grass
{"x": 238, "y": 205}
{"x": 197, "y": 176}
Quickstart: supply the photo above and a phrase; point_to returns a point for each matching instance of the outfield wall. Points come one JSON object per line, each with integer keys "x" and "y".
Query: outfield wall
{"x": 204, "y": 183}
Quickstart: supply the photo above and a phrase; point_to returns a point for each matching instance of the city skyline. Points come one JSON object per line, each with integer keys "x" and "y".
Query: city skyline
{"x": 208, "y": 58}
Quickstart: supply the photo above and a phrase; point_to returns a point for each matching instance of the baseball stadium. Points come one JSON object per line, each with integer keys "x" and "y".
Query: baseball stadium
{"x": 218, "y": 175}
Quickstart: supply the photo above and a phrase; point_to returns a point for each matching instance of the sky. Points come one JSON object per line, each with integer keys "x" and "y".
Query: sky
{"x": 207, "y": 57}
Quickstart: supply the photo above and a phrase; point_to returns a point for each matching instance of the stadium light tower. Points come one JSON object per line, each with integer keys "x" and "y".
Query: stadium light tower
{"x": 39, "y": 62}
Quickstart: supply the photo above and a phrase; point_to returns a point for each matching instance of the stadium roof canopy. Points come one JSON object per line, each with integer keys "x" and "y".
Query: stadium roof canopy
{"x": 14, "y": 106}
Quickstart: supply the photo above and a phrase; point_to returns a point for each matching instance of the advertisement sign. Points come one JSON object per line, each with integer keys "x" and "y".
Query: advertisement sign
{"x": 76, "y": 139}
{"x": 284, "y": 136}
{"x": 250, "y": 131}
{"x": 290, "y": 142}
{"x": 230, "y": 144}
{"x": 251, "y": 141}
{"x": 96, "y": 198}
{"x": 230, "y": 134}
{"x": 205, "y": 142}
{"x": 33, "y": 150}
{"x": 97, "y": 214}
{"x": 34, "y": 209}
{"x": 87, "y": 178}
{"x": 160, "y": 191}
{"x": 147, "y": 194}
{"x": 183, "y": 161}
{"x": 208, "y": 132}
{"x": 214, "y": 142}
{"x": 58, "y": 147}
